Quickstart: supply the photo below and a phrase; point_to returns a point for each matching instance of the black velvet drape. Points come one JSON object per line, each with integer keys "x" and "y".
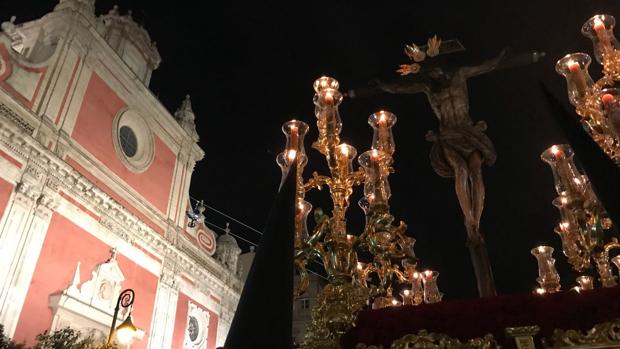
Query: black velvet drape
{"x": 264, "y": 315}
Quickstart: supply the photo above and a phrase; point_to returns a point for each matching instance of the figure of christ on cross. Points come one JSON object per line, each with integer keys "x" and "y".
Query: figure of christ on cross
{"x": 460, "y": 147}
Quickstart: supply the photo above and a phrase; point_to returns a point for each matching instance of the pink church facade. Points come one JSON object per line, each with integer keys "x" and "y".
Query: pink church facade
{"x": 94, "y": 187}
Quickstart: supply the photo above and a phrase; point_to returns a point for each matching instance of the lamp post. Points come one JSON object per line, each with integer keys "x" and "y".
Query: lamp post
{"x": 126, "y": 330}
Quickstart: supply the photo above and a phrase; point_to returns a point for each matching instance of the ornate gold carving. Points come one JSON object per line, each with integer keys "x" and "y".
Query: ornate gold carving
{"x": 604, "y": 334}
{"x": 432, "y": 340}
{"x": 523, "y": 336}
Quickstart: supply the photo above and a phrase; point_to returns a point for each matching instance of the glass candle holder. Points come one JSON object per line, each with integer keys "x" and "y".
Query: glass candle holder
{"x": 295, "y": 132}
{"x": 548, "y": 277}
{"x": 383, "y": 138}
{"x": 407, "y": 296}
{"x": 417, "y": 288}
{"x": 329, "y": 123}
{"x": 301, "y": 222}
{"x": 325, "y": 82}
{"x": 600, "y": 29}
{"x": 585, "y": 282}
{"x": 574, "y": 67}
{"x": 376, "y": 187}
{"x": 431, "y": 290}
{"x": 565, "y": 174}
{"x": 344, "y": 156}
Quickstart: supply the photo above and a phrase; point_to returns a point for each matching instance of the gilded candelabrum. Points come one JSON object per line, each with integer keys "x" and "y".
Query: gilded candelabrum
{"x": 598, "y": 103}
{"x": 353, "y": 284}
{"x": 584, "y": 221}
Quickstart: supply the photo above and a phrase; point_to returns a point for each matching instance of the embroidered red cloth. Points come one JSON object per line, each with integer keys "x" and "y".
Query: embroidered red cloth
{"x": 466, "y": 319}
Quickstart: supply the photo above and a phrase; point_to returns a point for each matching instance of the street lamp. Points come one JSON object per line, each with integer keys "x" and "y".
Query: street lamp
{"x": 126, "y": 330}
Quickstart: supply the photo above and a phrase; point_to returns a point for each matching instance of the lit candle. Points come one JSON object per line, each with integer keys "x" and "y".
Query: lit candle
{"x": 329, "y": 98}
{"x": 540, "y": 291}
{"x": 383, "y": 131}
{"x": 577, "y": 76}
{"x": 374, "y": 160}
{"x": 418, "y": 292}
{"x": 294, "y": 137}
{"x": 349, "y": 239}
{"x": 292, "y": 153}
{"x": 602, "y": 34}
{"x": 565, "y": 174}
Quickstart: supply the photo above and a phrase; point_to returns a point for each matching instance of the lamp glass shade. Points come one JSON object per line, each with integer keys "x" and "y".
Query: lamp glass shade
{"x": 125, "y": 331}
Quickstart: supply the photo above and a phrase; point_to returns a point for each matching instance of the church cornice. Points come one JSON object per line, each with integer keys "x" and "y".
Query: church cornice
{"x": 51, "y": 173}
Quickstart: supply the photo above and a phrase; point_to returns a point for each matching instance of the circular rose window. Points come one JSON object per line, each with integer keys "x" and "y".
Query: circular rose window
{"x": 132, "y": 140}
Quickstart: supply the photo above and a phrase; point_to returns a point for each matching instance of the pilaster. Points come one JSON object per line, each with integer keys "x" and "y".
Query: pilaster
{"x": 21, "y": 239}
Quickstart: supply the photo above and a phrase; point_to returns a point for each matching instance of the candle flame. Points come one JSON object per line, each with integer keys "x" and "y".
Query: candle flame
{"x": 344, "y": 149}
{"x": 577, "y": 181}
{"x": 329, "y": 97}
{"x": 428, "y": 273}
{"x": 359, "y": 266}
{"x": 564, "y": 200}
{"x": 540, "y": 291}
{"x": 382, "y": 117}
{"x": 292, "y": 154}
{"x": 541, "y": 249}
{"x": 394, "y": 302}
{"x": 598, "y": 22}
{"x": 564, "y": 225}
{"x": 555, "y": 150}
{"x": 416, "y": 275}
{"x": 374, "y": 153}
{"x": 406, "y": 292}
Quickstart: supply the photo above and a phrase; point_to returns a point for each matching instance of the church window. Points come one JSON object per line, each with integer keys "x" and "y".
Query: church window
{"x": 129, "y": 142}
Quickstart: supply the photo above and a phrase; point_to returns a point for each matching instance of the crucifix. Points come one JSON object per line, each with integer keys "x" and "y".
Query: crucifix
{"x": 460, "y": 146}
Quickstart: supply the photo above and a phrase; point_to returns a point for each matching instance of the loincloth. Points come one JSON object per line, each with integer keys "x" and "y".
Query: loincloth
{"x": 463, "y": 141}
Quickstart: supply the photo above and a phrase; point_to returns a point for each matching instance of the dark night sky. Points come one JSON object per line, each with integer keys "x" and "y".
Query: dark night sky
{"x": 250, "y": 67}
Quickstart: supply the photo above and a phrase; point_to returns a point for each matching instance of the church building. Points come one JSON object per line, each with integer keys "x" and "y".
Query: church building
{"x": 94, "y": 189}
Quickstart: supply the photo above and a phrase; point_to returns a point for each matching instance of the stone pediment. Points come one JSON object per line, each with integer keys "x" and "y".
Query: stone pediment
{"x": 102, "y": 289}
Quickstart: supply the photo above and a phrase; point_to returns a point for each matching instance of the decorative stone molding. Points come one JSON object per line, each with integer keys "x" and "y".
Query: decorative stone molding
{"x": 43, "y": 163}
{"x": 11, "y": 115}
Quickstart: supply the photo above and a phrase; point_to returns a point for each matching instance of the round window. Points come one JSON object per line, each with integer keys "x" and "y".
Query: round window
{"x": 133, "y": 140}
{"x": 129, "y": 142}
{"x": 193, "y": 329}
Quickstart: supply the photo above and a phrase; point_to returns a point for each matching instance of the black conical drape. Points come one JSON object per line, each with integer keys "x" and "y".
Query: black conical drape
{"x": 264, "y": 315}
{"x": 602, "y": 171}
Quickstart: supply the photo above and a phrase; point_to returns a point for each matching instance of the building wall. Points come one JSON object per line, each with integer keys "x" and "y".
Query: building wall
{"x": 67, "y": 197}
{"x": 180, "y": 323}
{"x": 93, "y": 130}
{"x": 64, "y": 246}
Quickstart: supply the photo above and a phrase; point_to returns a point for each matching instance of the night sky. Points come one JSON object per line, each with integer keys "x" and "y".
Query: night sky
{"x": 251, "y": 67}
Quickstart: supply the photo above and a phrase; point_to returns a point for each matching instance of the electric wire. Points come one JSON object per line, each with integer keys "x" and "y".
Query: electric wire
{"x": 254, "y": 244}
{"x": 246, "y": 226}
